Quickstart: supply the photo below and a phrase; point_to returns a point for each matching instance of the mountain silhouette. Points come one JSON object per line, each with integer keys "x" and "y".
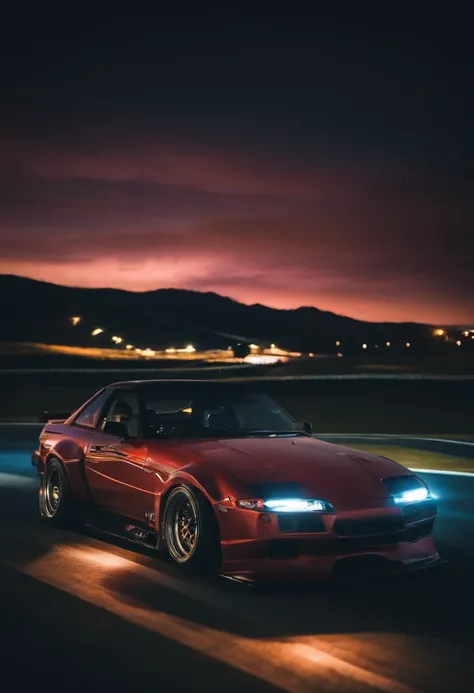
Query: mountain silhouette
{"x": 37, "y": 311}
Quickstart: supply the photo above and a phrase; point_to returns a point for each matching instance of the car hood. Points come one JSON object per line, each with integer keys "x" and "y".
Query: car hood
{"x": 347, "y": 478}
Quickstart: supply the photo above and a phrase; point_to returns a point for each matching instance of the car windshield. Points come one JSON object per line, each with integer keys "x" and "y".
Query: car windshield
{"x": 183, "y": 410}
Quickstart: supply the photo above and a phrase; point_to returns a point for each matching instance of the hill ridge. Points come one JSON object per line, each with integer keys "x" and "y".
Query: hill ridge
{"x": 41, "y": 311}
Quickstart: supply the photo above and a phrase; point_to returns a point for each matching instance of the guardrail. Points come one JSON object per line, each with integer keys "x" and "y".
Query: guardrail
{"x": 196, "y": 369}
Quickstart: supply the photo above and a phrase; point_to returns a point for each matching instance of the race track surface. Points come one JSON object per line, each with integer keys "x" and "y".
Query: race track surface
{"x": 80, "y": 612}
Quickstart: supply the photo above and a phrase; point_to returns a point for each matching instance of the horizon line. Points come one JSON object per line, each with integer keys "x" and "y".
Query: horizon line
{"x": 229, "y": 298}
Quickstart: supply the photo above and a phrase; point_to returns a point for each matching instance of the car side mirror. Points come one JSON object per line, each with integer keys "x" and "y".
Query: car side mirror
{"x": 308, "y": 428}
{"x": 116, "y": 428}
{"x": 46, "y": 416}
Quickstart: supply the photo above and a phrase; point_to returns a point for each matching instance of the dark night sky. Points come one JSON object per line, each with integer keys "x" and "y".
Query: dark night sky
{"x": 316, "y": 160}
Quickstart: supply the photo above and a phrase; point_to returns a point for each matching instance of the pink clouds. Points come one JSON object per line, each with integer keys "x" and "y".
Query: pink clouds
{"x": 114, "y": 156}
{"x": 106, "y": 211}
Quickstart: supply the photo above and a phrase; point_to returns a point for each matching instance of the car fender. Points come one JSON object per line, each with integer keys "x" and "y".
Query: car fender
{"x": 217, "y": 486}
{"x": 71, "y": 456}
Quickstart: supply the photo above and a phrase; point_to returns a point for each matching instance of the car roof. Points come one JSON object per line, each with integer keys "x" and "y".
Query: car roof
{"x": 162, "y": 381}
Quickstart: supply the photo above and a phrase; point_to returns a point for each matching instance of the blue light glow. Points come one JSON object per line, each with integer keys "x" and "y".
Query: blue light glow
{"x": 413, "y": 495}
{"x": 292, "y": 505}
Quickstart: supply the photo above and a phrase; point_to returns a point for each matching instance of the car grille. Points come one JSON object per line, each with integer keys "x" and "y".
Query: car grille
{"x": 369, "y": 525}
{"x": 409, "y": 534}
{"x": 419, "y": 517}
{"x": 389, "y": 529}
{"x": 301, "y": 522}
{"x": 391, "y": 538}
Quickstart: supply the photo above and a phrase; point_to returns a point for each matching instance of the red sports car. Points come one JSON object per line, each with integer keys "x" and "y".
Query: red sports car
{"x": 222, "y": 478}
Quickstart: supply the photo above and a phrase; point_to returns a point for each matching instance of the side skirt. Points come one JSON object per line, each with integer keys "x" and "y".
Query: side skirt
{"x": 120, "y": 527}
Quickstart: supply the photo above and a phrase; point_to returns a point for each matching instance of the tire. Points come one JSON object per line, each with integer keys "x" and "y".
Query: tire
{"x": 190, "y": 531}
{"x": 56, "y": 503}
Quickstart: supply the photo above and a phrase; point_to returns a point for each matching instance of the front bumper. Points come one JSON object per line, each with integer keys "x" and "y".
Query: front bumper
{"x": 378, "y": 541}
{"x": 405, "y": 557}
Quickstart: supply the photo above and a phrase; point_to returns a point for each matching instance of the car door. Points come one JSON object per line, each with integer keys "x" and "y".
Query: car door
{"x": 116, "y": 461}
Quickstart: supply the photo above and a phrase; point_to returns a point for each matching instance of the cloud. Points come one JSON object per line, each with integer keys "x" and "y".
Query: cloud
{"x": 117, "y": 156}
{"x": 368, "y": 241}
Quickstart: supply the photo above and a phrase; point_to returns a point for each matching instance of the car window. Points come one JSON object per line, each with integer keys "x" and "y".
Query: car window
{"x": 90, "y": 415}
{"x": 199, "y": 409}
{"x": 124, "y": 408}
{"x": 255, "y": 411}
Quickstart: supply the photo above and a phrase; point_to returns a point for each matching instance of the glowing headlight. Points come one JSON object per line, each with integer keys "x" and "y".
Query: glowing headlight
{"x": 286, "y": 505}
{"x": 407, "y": 489}
{"x": 413, "y": 496}
{"x": 295, "y": 505}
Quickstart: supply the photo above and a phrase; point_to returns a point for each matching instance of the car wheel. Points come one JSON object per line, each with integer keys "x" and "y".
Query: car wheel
{"x": 190, "y": 531}
{"x": 55, "y": 498}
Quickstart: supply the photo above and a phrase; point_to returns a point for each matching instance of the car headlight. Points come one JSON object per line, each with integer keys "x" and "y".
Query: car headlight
{"x": 286, "y": 505}
{"x": 251, "y": 503}
{"x": 407, "y": 489}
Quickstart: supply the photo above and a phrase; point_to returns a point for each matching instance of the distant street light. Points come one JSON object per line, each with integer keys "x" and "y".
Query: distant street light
{"x": 439, "y": 333}
{"x": 458, "y": 343}
{"x": 338, "y": 343}
{"x": 272, "y": 346}
{"x": 408, "y": 345}
{"x": 387, "y": 344}
{"x": 129, "y": 346}
{"x": 117, "y": 340}
{"x": 75, "y": 320}
{"x": 364, "y": 346}
{"x": 97, "y": 331}
{"x": 190, "y": 348}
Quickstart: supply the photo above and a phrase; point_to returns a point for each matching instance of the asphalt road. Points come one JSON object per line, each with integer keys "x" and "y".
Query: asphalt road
{"x": 80, "y": 612}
